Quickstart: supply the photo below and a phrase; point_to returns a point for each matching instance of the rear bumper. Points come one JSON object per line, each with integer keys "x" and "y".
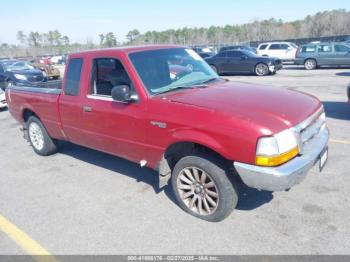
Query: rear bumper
{"x": 287, "y": 175}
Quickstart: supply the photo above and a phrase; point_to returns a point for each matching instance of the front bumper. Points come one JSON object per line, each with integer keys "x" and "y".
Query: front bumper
{"x": 275, "y": 68}
{"x": 287, "y": 175}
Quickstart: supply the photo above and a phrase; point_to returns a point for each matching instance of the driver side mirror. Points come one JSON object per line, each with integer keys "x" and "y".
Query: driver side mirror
{"x": 122, "y": 93}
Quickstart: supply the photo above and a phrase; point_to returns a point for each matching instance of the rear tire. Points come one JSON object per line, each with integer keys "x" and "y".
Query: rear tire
{"x": 202, "y": 187}
{"x": 39, "y": 139}
{"x": 310, "y": 64}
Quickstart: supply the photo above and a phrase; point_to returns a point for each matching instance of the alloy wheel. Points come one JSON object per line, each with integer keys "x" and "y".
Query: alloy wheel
{"x": 198, "y": 191}
{"x": 36, "y": 136}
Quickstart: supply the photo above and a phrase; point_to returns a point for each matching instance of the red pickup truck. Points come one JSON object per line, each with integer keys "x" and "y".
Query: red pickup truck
{"x": 198, "y": 130}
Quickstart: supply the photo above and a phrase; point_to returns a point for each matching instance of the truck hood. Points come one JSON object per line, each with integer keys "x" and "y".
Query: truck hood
{"x": 271, "y": 108}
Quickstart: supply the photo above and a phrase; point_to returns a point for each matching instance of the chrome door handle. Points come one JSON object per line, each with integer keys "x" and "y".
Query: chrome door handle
{"x": 87, "y": 108}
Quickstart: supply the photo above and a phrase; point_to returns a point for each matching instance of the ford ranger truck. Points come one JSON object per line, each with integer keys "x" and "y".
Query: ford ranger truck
{"x": 198, "y": 131}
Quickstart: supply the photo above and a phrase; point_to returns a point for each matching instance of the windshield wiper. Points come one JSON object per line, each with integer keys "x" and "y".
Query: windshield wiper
{"x": 183, "y": 87}
{"x": 209, "y": 80}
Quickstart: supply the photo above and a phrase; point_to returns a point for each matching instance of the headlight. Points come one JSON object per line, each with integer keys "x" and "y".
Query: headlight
{"x": 278, "y": 149}
{"x": 20, "y": 77}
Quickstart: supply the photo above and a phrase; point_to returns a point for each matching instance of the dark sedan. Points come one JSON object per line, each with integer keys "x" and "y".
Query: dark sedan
{"x": 238, "y": 47}
{"x": 19, "y": 73}
{"x": 242, "y": 61}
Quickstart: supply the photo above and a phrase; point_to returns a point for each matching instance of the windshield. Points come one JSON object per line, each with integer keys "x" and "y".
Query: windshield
{"x": 249, "y": 53}
{"x": 12, "y": 66}
{"x": 293, "y": 45}
{"x": 167, "y": 69}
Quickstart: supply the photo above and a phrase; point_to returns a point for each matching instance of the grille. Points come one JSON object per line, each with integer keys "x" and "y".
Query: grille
{"x": 311, "y": 127}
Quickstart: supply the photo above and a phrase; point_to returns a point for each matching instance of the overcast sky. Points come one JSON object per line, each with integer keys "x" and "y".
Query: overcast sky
{"x": 81, "y": 19}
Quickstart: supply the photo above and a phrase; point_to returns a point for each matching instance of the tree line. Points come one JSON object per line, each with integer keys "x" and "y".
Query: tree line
{"x": 327, "y": 23}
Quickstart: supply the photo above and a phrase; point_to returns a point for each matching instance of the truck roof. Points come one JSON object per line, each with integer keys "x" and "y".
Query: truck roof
{"x": 126, "y": 49}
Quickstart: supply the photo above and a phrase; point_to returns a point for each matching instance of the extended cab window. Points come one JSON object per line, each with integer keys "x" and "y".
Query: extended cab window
{"x": 73, "y": 76}
{"x": 106, "y": 74}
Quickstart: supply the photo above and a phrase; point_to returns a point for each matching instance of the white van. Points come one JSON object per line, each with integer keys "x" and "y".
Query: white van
{"x": 283, "y": 50}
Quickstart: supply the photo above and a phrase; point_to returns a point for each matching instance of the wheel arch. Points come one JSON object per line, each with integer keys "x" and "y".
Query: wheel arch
{"x": 28, "y": 112}
{"x": 179, "y": 149}
{"x": 312, "y": 58}
{"x": 260, "y": 62}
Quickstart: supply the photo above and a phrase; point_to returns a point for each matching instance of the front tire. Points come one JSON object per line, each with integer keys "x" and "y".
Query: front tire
{"x": 261, "y": 69}
{"x": 203, "y": 189}
{"x": 39, "y": 139}
{"x": 310, "y": 64}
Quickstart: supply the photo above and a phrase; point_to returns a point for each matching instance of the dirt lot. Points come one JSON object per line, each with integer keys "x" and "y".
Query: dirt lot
{"x": 80, "y": 201}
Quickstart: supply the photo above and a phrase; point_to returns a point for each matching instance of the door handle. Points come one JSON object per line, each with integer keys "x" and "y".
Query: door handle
{"x": 87, "y": 108}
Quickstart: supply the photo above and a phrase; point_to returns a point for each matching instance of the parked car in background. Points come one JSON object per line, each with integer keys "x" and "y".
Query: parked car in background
{"x": 238, "y": 47}
{"x": 206, "y": 55}
{"x": 323, "y": 54}
{"x": 198, "y": 131}
{"x": 203, "y": 49}
{"x": 3, "y": 78}
{"x": 3, "y": 103}
{"x": 19, "y": 73}
{"x": 204, "y": 52}
{"x": 56, "y": 59}
{"x": 50, "y": 71}
{"x": 242, "y": 61}
{"x": 45, "y": 60}
{"x": 285, "y": 51}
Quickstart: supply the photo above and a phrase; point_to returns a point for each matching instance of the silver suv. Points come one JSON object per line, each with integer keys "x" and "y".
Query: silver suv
{"x": 323, "y": 54}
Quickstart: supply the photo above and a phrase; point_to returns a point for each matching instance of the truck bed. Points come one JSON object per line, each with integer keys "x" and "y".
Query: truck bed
{"x": 41, "y": 99}
{"x": 51, "y": 87}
